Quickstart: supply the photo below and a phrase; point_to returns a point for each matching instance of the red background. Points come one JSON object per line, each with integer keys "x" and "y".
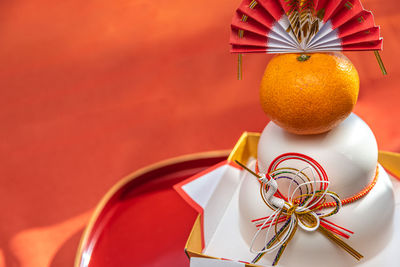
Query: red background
{"x": 93, "y": 90}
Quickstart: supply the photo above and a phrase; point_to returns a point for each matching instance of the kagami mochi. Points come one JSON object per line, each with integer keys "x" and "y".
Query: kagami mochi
{"x": 348, "y": 154}
{"x": 309, "y": 93}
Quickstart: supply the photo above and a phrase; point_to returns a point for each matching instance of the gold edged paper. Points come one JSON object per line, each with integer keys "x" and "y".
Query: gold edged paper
{"x": 246, "y": 148}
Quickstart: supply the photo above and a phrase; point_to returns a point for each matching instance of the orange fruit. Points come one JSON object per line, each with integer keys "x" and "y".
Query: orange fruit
{"x": 309, "y": 94}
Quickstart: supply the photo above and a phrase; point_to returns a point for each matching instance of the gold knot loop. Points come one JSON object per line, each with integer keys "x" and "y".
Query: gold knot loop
{"x": 291, "y": 210}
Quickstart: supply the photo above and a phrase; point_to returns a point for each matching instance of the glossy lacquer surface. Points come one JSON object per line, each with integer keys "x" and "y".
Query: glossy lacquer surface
{"x": 142, "y": 221}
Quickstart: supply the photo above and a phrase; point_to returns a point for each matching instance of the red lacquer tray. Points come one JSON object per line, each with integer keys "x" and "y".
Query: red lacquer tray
{"x": 141, "y": 220}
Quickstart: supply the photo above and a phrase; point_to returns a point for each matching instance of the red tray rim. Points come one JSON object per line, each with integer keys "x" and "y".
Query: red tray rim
{"x": 125, "y": 180}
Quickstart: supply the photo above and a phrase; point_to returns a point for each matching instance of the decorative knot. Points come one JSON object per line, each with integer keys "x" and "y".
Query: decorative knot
{"x": 303, "y": 206}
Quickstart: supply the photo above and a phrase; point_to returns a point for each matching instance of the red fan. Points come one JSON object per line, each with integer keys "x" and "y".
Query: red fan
{"x": 290, "y": 26}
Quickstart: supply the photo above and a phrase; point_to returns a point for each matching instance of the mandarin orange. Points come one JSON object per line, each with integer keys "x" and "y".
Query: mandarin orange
{"x": 309, "y": 94}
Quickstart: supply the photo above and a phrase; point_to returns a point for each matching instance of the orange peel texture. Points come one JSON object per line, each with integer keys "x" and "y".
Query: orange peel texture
{"x": 309, "y": 94}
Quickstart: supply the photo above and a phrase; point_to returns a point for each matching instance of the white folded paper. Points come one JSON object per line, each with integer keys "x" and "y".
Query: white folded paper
{"x": 214, "y": 193}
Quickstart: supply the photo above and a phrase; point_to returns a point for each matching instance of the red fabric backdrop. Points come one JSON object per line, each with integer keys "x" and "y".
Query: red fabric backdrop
{"x": 92, "y": 90}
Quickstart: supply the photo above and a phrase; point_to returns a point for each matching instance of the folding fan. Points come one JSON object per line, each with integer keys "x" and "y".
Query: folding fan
{"x": 294, "y": 26}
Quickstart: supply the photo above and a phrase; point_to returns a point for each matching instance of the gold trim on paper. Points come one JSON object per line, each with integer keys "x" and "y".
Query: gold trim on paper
{"x": 390, "y": 161}
{"x": 245, "y": 148}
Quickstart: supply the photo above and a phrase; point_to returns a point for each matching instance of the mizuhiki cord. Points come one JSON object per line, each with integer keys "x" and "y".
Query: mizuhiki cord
{"x": 305, "y": 206}
{"x": 348, "y": 200}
